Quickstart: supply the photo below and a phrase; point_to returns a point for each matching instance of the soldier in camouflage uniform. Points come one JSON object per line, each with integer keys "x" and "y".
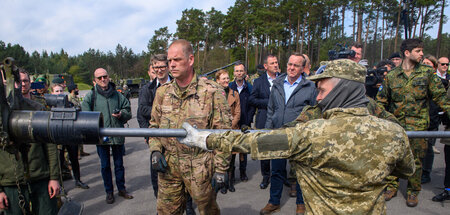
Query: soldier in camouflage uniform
{"x": 202, "y": 103}
{"x": 406, "y": 92}
{"x": 338, "y": 166}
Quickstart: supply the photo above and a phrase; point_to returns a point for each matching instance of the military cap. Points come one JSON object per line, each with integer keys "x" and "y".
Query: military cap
{"x": 395, "y": 55}
{"x": 71, "y": 87}
{"x": 342, "y": 68}
{"x": 58, "y": 80}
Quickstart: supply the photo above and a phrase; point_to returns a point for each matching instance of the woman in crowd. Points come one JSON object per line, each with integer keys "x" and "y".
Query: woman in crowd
{"x": 232, "y": 96}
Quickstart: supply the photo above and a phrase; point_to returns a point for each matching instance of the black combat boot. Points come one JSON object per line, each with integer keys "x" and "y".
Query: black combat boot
{"x": 231, "y": 181}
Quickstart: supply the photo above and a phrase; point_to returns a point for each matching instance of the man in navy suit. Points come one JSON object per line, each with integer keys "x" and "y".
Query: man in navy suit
{"x": 259, "y": 98}
{"x": 247, "y": 111}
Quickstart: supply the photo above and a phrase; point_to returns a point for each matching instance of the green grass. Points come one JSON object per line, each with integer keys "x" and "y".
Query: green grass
{"x": 83, "y": 86}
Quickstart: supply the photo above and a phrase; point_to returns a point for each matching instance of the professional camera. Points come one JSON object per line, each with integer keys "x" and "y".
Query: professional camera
{"x": 375, "y": 76}
{"x": 343, "y": 53}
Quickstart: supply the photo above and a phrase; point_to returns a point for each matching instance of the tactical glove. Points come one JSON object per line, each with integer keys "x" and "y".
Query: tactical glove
{"x": 159, "y": 163}
{"x": 194, "y": 137}
{"x": 245, "y": 129}
{"x": 219, "y": 180}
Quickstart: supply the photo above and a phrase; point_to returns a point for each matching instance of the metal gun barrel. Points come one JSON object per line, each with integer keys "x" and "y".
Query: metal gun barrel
{"x": 163, "y": 132}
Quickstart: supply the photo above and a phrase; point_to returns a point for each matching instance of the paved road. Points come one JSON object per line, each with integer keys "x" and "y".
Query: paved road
{"x": 248, "y": 198}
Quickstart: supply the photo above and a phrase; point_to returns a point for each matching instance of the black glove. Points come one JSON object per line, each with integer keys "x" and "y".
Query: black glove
{"x": 245, "y": 129}
{"x": 219, "y": 180}
{"x": 159, "y": 163}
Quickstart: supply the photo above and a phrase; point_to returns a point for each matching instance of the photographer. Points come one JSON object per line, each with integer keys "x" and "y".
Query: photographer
{"x": 375, "y": 77}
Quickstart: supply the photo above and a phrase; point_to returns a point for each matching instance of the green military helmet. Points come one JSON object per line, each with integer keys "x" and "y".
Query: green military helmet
{"x": 342, "y": 68}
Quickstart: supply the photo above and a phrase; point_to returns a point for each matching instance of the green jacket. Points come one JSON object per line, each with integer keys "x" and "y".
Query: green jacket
{"x": 106, "y": 105}
{"x": 42, "y": 159}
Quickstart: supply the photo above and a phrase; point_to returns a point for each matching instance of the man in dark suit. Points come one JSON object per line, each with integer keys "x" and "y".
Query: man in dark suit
{"x": 259, "y": 98}
{"x": 247, "y": 111}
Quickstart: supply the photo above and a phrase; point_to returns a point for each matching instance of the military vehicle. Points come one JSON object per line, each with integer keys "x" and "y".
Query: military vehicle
{"x": 133, "y": 85}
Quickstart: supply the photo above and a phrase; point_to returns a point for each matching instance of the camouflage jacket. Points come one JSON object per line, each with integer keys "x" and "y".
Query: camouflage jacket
{"x": 202, "y": 104}
{"x": 338, "y": 165}
{"x": 408, "y": 97}
{"x": 75, "y": 100}
{"x": 314, "y": 112}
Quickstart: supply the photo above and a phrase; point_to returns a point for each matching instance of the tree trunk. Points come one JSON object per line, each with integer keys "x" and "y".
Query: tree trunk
{"x": 376, "y": 32}
{"x": 441, "y": 22}
{"x": 343, "y": 18}
{"x": 382, "y": 37}
{"x": 290, "y": 34}
{"x": 256, "y": 53}
{"x": 246, "y": 47}
{"x": 354, "y": 22}
{"x": 417, "y": 21}
{"x": 367, "y": 31}
{"x": 360, "y": 24}
{"x": 398, "y": 26}
{"x": 303, "y": 33}
{"x": 297, "y": 35}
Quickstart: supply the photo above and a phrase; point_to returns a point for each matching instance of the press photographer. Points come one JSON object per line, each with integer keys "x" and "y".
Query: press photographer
{"x": 375, "y": 77}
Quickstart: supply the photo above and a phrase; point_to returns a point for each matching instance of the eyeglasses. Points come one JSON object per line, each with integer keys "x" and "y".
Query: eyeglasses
{"x": 102, "y": 77}
{"x": 444, "y": 64}
{"x": 295, "y": 65}
{"x": 159, "y": 67}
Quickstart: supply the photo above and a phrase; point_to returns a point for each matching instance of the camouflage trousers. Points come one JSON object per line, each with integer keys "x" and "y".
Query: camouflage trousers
{"x": 418, "y": 147}
{"x": 190, "y": 173}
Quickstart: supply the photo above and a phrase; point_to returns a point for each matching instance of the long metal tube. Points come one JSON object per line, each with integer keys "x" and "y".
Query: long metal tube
{"x": 160, "y": 132}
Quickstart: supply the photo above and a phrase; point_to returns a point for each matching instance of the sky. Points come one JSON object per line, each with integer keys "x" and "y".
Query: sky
{"x": 77, "y": 25}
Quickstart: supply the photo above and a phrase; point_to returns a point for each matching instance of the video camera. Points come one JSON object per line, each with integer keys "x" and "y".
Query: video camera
{"x": 375, "y": 76}
{"x": 343, "y": 53}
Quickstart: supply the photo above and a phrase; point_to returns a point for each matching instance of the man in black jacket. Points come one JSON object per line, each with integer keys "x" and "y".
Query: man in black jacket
{"x": 259, "y": 98}
{"x": 145, "y": 101}
{"x": 247, "y": 111}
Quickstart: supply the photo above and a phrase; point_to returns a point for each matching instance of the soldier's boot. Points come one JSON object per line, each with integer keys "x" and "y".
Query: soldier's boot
{"x": 189, "y": 206}
{"x": 244, "y": 177}
{"x": 231, "y": 185}
{"x": 389, "y": 194}
{"x": 412, "y": 200}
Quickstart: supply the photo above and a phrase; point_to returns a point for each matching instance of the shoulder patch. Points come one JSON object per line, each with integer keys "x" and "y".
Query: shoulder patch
{"x": 277, "y": 142}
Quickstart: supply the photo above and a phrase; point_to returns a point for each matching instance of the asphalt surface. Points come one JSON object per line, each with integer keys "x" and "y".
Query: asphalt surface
{"x": 248, "y": 198}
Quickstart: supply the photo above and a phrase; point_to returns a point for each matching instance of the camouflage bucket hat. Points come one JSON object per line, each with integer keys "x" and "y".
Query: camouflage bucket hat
{"x": 342, "y": 68}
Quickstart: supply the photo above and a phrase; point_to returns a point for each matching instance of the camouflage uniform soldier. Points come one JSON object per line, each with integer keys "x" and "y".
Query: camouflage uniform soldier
{"x": 406, "y": 92}
{"x": 338, "y": 167}
{"x": 202, "y": 103}
{"x": 314, "y": 112}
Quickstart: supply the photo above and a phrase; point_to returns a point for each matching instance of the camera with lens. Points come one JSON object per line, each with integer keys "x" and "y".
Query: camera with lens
{"x": 375, "y": 76}
{"x": 343, "y": 53}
